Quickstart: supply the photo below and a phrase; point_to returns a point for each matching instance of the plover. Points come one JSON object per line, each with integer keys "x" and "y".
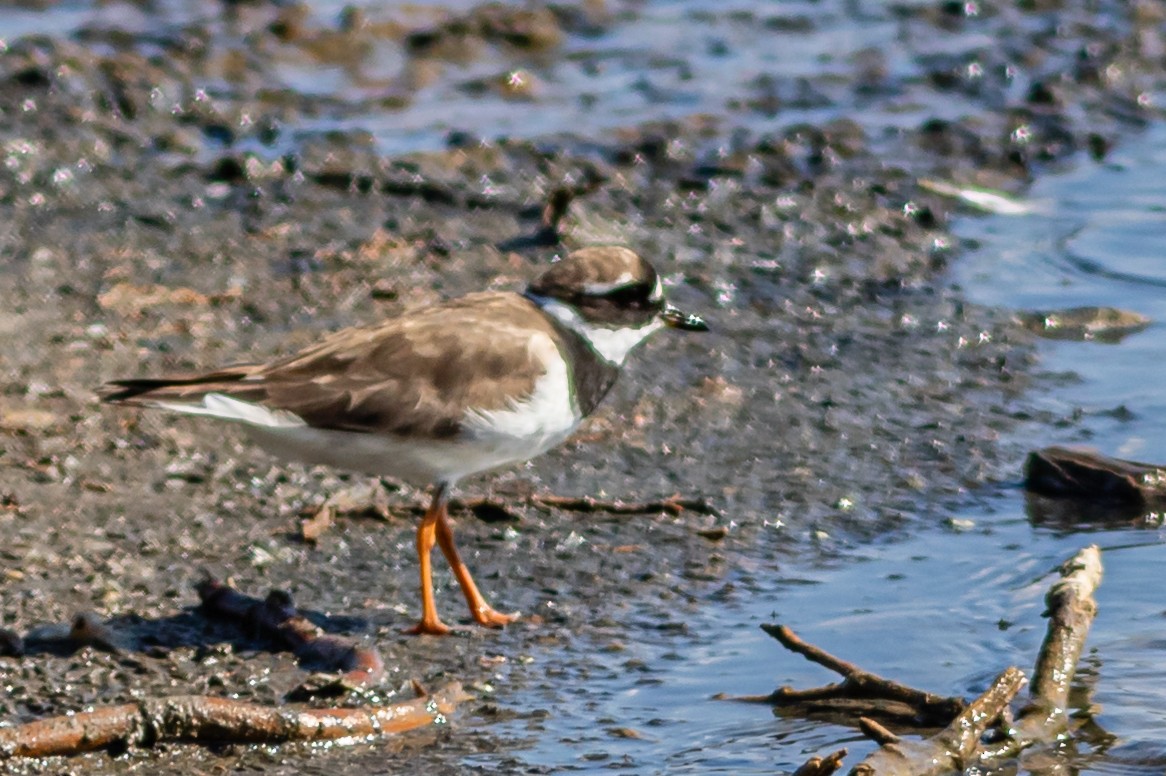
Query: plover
{"x": 441, "y": 392}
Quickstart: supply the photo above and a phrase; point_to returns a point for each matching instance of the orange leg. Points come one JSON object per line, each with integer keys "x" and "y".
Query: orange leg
{"x": 426, "y": 536}
{"x": 481, "y": 611}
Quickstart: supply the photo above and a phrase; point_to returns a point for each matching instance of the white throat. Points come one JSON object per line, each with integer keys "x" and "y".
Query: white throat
{"x": 612, "y": 344}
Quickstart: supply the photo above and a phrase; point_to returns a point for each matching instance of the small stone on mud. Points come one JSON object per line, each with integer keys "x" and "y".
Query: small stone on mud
{"x": 714, "y": 534}
{"x": 959, "y": 524}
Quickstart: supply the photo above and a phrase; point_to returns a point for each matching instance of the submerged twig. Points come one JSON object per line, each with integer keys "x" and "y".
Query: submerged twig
{"x": 860, "y": 692}
{"x": 876, "y": 732}
{"x": 821, "y": 766}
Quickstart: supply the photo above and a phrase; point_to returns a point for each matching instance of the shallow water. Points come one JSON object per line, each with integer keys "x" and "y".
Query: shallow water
{"x": 949, "y": 606}
{"x": 744, "y": 64}
{"x": 1098, "y": 239}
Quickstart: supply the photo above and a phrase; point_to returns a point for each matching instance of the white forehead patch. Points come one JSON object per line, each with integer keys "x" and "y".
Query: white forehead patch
{"x": 657, "y": 292}
{"x": 599, "y": 289}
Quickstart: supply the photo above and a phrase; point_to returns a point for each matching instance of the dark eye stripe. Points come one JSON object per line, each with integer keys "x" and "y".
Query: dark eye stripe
{"x": 637, "y": 293}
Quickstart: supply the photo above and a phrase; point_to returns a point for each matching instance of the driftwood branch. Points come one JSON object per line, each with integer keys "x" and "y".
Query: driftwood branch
{"x": 205, "y": 719}
{"x": 276, "y": 618}
{"x": 960, "y": 745}
{"x": 1071, "y": 609}
{"x": 953, "y": 748}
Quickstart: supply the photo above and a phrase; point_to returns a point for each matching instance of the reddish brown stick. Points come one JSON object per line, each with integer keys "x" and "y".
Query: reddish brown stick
{"x": 205, "y": 719}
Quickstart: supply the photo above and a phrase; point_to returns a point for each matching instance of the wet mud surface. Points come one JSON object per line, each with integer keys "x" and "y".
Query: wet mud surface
{"x": 168, "y": 201}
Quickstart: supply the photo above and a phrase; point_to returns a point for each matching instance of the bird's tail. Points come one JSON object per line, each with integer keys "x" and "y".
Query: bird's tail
{"x": 226, "y": 394}
{"x": 178, "y": 388}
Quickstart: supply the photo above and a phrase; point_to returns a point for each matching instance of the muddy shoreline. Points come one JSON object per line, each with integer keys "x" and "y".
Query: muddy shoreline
{"x": 163, "y": 207}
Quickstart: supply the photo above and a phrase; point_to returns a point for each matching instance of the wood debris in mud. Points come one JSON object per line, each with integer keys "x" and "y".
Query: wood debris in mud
{"x": 209, "y": 719}
{"x": 85, "y": 629}
{"x": 979, "y": 734}
{"x": 276, "y": 617}
{"x": 673, "y": 505}
{"x": 349, "y": 665}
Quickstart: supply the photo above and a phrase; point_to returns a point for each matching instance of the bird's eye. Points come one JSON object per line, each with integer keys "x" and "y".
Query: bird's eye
{"x": 634, "y": 295}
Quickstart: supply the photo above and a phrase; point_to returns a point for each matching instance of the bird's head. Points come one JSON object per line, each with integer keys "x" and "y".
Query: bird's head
{"x": 611, "y": 296}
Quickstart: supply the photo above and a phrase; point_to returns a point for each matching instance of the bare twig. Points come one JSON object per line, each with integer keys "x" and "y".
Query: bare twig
{"x": 205, "y": 719}
{"x": 673, "y": 505}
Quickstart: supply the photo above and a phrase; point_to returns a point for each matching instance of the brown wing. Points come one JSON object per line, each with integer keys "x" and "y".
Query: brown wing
{"x": 418, "y": 373}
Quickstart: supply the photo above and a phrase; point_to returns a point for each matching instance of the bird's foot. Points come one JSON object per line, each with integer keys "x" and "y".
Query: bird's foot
{"x": 492, "y": 618}
{"x": 426, "y": 627}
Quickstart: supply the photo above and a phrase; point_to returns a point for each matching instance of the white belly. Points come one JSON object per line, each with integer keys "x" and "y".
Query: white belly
{"x": 416, "y": 461}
